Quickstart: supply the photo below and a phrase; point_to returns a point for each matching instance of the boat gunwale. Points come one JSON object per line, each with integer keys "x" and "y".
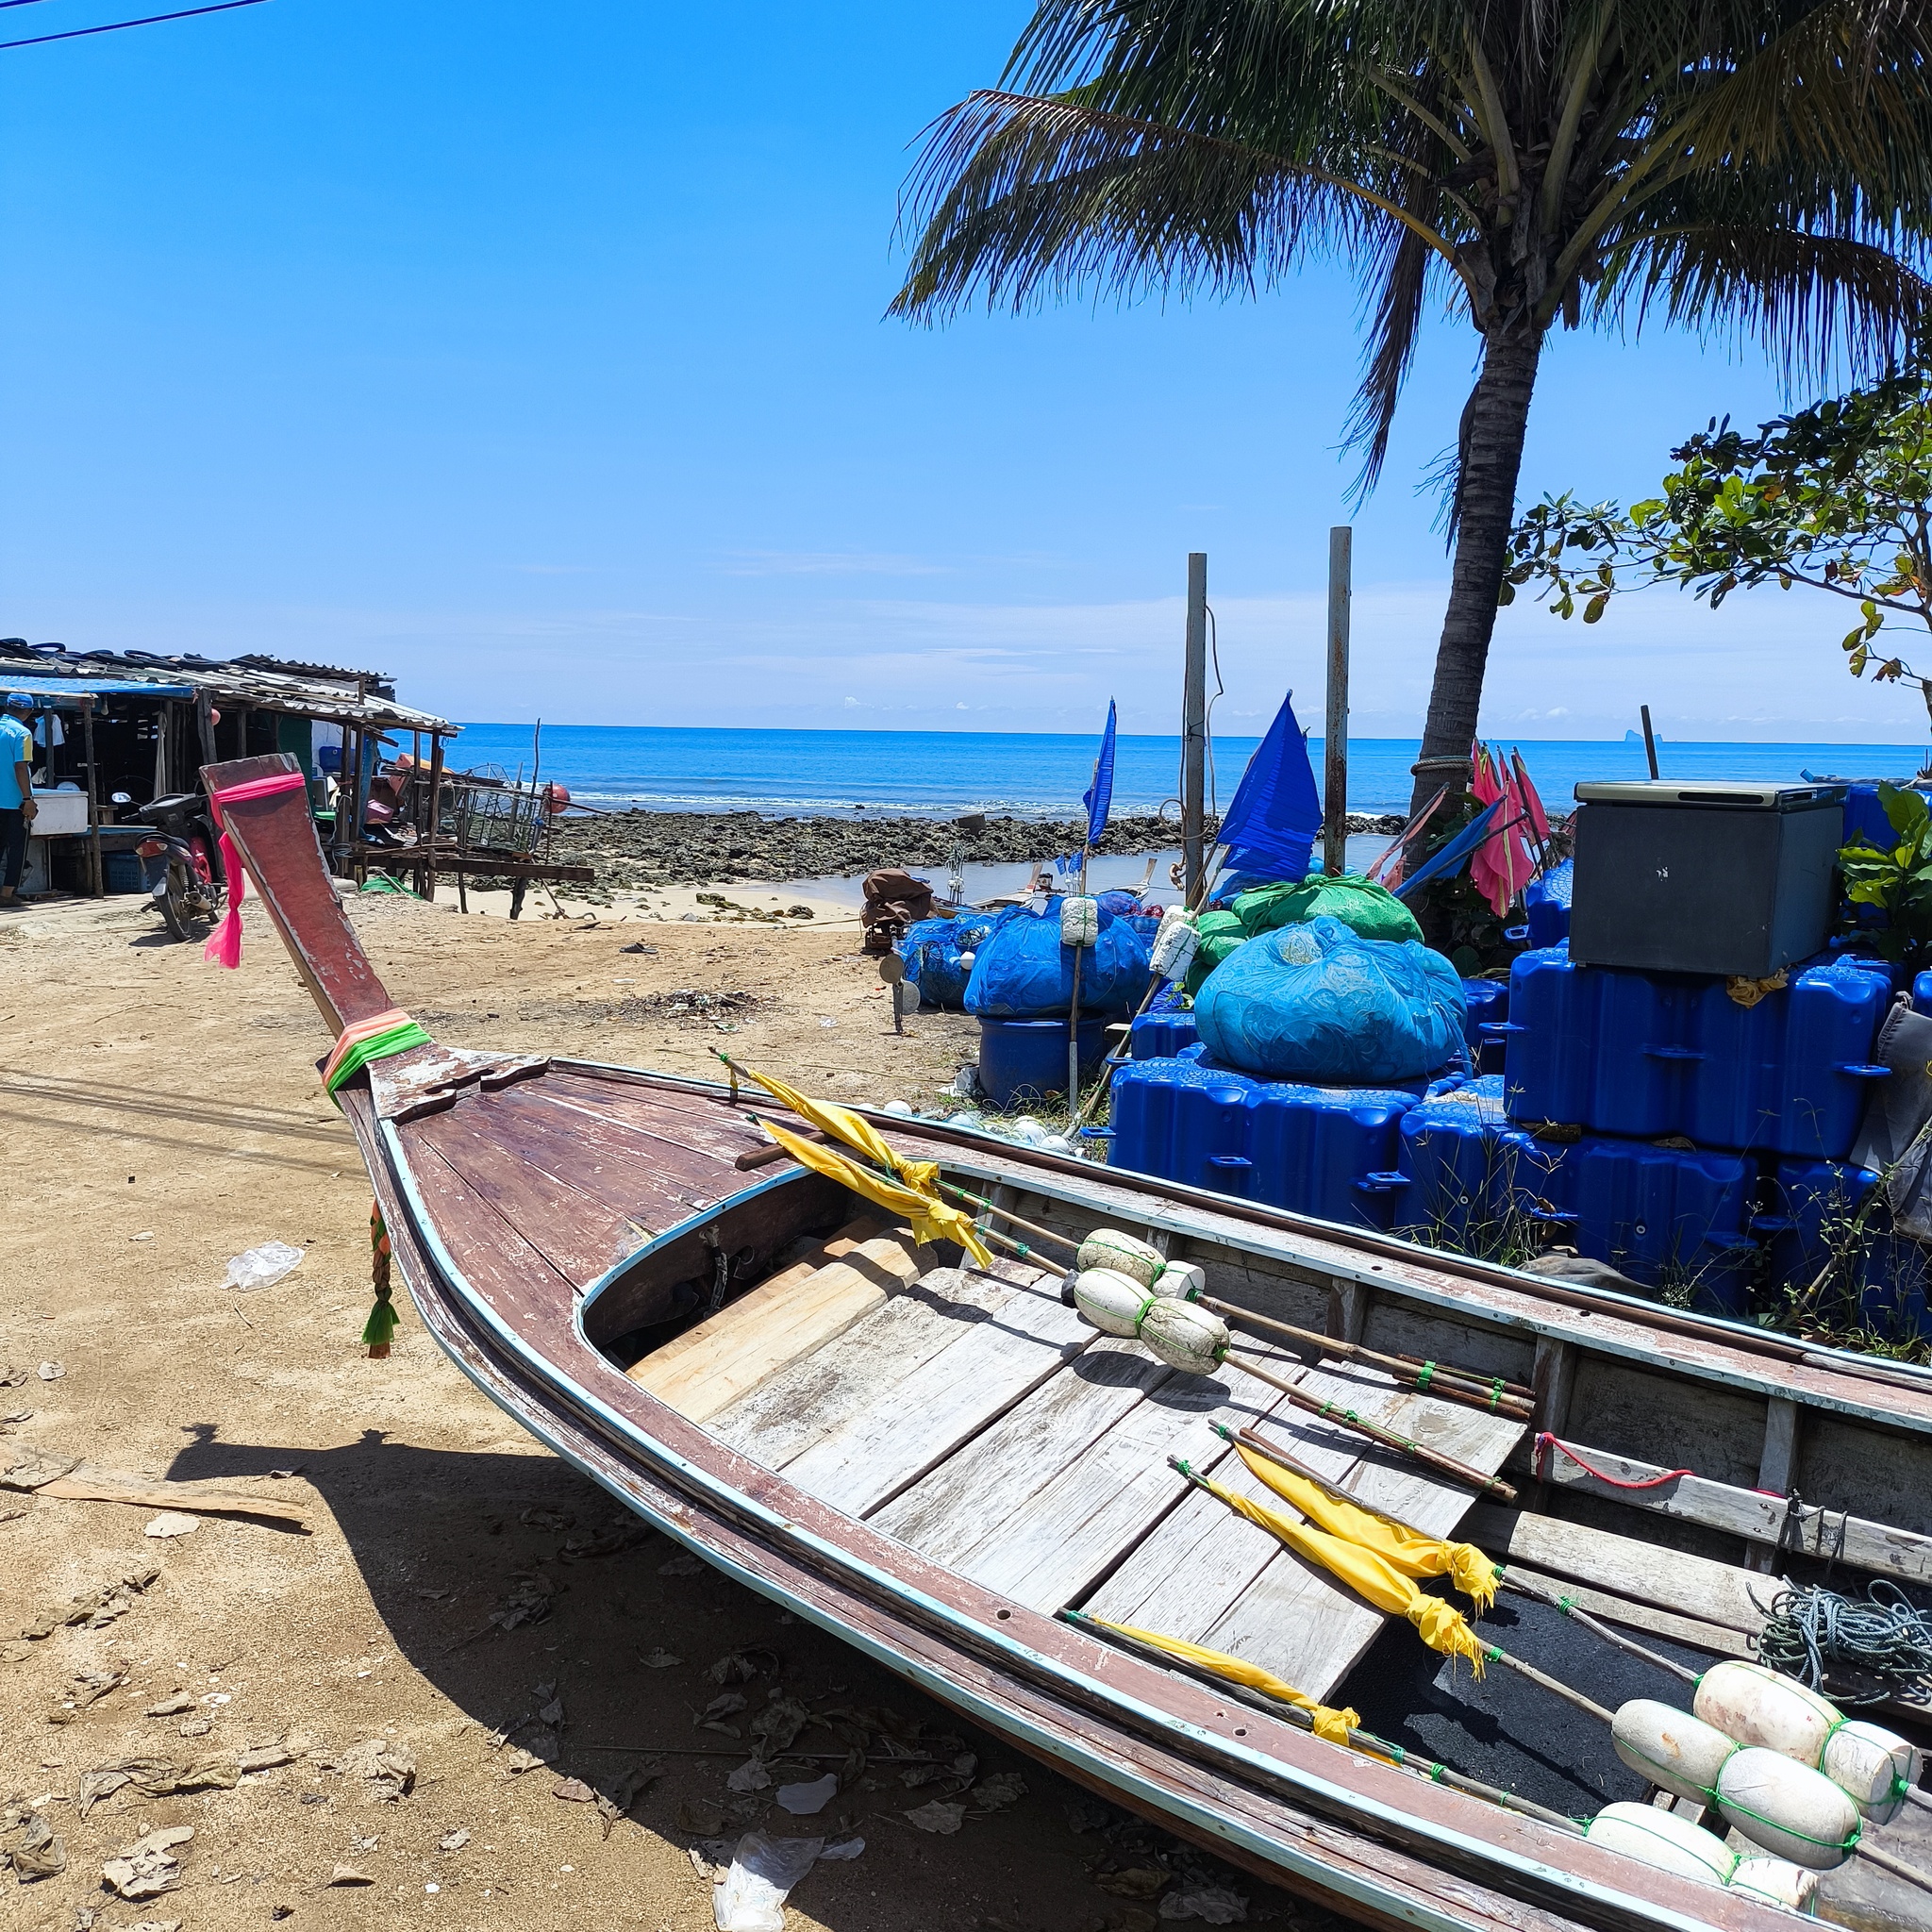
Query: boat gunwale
{"x": 1340, "y": 1804}
{"x": 1742, "y": 1339}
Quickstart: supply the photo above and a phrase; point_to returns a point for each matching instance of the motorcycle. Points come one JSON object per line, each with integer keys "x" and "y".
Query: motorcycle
{"x": 179, "y": 863}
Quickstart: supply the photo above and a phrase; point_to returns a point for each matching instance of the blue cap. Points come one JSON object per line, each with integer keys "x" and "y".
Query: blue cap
{"x": 20, "y": 701}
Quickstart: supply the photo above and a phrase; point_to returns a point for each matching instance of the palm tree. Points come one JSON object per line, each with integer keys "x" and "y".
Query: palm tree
{"x": 1742, "y": 167}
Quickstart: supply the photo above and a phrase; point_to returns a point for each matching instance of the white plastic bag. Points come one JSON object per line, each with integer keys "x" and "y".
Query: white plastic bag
{"x": 751, "y": 1896}
{"x": 262, "y": 1267}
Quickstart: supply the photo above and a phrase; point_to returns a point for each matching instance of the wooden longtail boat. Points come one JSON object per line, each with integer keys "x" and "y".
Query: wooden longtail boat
{"x": 935, "y": 1462}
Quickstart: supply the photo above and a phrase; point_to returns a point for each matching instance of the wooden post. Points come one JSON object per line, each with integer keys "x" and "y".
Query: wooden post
{"x": 1194, "y": 727}
{"x": 1335, "y": 744}
{"x": 435, "y": 813}
{"x": 164, "y": 725}
{"x": 204, "y": 730}
{"x": 94, "y": 794}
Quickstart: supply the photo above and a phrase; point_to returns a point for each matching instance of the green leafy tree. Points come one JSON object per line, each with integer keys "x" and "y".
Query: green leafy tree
{"x": 1745, "y": 167}
{"x": 1836, "y": 497}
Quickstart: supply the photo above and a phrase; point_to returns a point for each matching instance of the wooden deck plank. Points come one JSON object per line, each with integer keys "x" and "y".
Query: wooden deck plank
{"x": 782, "y": 1321}
{"x": 1195, "y": 1565}
{"x": 1720, "y": 1593}
{"x": 911, "y": 1426}
{"x": 972, "y": 1496}
{"x": 1050, "y": 1552}
{"x": 779, "y": 1421}
{"x": 578, "y": 1235}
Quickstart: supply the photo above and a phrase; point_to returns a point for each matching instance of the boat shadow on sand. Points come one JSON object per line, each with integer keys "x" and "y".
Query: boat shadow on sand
{"x": 494, "y": 1575}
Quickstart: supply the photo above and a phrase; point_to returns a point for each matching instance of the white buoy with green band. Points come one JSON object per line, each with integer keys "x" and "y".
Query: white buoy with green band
{"x": 1112, "y": 1300}
{"x": 1108, "y": 1247}
{"x": 1787, "y": 1807}
{"x": 1676, "y": 1751}
{"x": 1874, "y": 1767}
{"x": 1776, "y": 1882}
{"x": 1664, "y": 1842}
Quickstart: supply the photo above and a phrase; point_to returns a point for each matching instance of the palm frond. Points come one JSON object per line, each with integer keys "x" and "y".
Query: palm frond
{"x": 1813, "y": 302}
{"x": 1020, "y": 196}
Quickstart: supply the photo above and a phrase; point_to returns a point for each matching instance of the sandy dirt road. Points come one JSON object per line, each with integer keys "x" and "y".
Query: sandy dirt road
{"x": 159, "y": 1118}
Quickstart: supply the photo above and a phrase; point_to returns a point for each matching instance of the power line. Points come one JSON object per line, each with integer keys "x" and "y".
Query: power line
{"x": 115, "y": 27}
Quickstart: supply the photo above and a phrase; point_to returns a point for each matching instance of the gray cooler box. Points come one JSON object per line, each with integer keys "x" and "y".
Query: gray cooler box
{"x": 1714, "y": 878}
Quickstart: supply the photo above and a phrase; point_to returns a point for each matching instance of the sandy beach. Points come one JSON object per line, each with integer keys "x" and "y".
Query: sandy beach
{"x": 163, "y": 1117}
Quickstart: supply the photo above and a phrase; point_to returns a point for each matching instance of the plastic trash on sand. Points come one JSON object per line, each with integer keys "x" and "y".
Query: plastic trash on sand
{"x": 262, "y": 1267}
{"x": 751, "y": 1896}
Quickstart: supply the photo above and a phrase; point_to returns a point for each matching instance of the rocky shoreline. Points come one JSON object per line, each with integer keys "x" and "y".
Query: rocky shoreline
{"x": 665, "y": 848}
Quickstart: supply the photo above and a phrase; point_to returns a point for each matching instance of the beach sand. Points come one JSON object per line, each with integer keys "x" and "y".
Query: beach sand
{"x": 162, "y": 1117}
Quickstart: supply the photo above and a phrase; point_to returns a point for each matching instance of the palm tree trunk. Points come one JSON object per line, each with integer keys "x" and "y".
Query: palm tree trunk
{"x": 1492, "y": 453}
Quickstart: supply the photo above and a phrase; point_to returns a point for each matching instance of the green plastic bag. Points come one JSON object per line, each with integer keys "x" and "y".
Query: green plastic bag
{"x": 1368, "y": 909}
{"x": 1221, "y": 933}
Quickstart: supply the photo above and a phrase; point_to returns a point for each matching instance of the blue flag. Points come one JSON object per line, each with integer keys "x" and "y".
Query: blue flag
{"x": 1098, "y": 798}
{"x": 1271, "y": 825}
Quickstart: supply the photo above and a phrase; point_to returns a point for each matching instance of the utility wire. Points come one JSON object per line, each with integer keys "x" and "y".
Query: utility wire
{"x": 79, "y": 33}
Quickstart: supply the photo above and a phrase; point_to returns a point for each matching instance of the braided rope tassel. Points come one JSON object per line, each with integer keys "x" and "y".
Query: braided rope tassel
{"x": 381, "y": 1323}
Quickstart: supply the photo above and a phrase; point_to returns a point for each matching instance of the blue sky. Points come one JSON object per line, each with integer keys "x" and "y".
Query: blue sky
{"x": 535, "y": 354}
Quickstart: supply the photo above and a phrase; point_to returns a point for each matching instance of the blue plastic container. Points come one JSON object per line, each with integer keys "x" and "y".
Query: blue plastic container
{"x": 1485, "y": 1005}
{"x": 1670, "y": 1218}
{"x": 1026, "y": 1059}
{"x": 1655, "y": 1054}
{"x": 1546, "y": 900}
{"x": 1921, "y": 993}
{"x": 1325, "y": 1151}
{"x": 1865, "y": 818}
{"x": 1459, "y": 1152}
{"x": 1812, "y": 1206}
{"x": 1161, "y": 1036}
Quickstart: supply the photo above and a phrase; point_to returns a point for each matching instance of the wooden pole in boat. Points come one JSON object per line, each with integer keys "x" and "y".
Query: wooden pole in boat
{"x": 1363, "y": 1740}
{"x": 1335, "y": 744}
{"x": 1492, "y": 1393}
{"x": 1361, "y": 1426}
{"x": 1194, "y": 727}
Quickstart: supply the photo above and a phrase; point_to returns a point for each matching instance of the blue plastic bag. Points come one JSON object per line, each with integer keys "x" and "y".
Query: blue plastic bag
{"x": 1023, "y": 973}
{"x": 1317, "y": 1003}
{"x": 931, "y": 950}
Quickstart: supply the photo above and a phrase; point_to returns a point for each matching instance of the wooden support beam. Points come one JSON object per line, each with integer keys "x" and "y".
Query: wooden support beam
{"x": 1776, "y": 1467}
{"x": 1348, "y": 1310}
{"x": 1901, "y": 1552}
{"x": 1552, "y": 1376}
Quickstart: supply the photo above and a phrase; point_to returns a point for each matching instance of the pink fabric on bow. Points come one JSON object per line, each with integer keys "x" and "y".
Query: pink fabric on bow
{"x": 224, "y": 943}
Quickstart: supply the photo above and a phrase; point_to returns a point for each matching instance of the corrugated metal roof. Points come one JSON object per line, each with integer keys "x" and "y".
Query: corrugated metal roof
{"x": 38, "y": 684}
{"x": 254, "y": 680}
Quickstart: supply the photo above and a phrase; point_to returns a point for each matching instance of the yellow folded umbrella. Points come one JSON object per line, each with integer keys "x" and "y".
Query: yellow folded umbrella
{"x": 1333, "y": 1724}
{"x": 1407, "y": 1550}
{"x": 930, "y": 1220}
{"x": 1441, "y": 1626}
{"x": 856, "y": 1132}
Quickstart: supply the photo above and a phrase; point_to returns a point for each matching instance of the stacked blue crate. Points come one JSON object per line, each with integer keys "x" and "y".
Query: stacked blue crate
{"x": 1485, "y": 1007}
{"x": 1651, "y": 1054}
{"x": 1817, "y": 1212}
{"x": 1158, "y": 1035}
{"x": 1325, "y": 1151}
{"x": 1669, "y": 1218}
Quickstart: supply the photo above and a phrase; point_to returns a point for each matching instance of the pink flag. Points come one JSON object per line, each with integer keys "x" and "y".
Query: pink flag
{"x": 1499, "y": 868}
{"x": 1532, "y": 804}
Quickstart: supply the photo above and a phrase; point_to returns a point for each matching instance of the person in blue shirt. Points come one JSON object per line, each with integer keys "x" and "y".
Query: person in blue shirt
{"x": 17, "y": 807}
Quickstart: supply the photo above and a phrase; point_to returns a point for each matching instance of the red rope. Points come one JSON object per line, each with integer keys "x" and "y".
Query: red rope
{"x": 1546, "y": 1442}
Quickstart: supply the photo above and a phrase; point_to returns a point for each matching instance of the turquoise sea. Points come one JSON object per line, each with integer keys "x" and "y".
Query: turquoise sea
{"x": 942, "y": 774}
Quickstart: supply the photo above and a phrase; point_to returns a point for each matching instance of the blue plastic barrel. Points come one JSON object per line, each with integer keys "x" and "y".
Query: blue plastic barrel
{"x": 1023, "y": 1060}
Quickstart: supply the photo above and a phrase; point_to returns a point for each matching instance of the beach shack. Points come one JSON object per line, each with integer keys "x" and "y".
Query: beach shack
{"x": 114, "y": 730}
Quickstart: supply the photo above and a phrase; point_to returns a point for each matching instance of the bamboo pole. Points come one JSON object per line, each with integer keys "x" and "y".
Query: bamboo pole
{"x": 1363, "y": 1740}
{"x": 1468, "y": 1385}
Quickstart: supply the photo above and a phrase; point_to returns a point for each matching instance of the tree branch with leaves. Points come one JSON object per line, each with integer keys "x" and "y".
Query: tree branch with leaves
{"x": 1835, "y": 498}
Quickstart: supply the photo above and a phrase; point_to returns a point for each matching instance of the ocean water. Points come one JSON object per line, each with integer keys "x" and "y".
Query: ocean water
{"x": 942, "y": 773}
